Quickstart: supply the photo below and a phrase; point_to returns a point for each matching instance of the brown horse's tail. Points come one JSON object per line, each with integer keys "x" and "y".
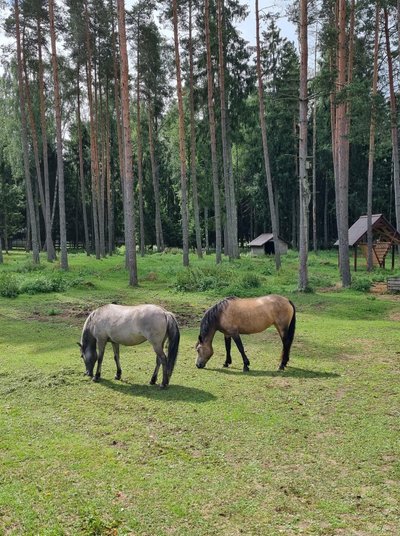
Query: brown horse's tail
{"x": 173, "y": 342}
{"x": 288, "y": 339}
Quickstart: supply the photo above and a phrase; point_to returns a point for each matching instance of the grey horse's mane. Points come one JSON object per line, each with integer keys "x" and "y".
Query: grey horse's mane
{"x": 212, "y": 316}
{"x": 87, "y": 337}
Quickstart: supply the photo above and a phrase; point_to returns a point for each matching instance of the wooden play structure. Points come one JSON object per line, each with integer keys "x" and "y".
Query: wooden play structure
{"x": 384, "y": 236}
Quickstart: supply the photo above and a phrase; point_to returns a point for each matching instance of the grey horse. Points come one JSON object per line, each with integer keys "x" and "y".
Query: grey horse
{"x": 129, "y": 326}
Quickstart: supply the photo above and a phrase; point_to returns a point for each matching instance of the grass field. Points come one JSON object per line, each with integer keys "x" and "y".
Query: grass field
{"x": 313, "y": 450}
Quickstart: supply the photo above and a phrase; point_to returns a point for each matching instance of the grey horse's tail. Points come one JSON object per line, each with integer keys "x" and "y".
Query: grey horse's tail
{"x": 173, "y": 342}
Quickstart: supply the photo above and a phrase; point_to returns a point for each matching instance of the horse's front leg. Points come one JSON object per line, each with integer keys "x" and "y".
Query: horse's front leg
{"x": 239, "y": 344}
{"x": 228, "y": 344}
{"x": 155, "y": 373}
{"x": 102, "y": 347}
{"x": 116, "y": 359}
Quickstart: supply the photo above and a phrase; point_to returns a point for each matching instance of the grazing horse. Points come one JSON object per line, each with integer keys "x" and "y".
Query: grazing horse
{"x": 130, "y": 325}
{"x": 234, "y": 316}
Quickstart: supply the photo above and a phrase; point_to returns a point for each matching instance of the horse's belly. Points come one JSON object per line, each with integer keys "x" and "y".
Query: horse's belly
{"x": 128, "y": 339}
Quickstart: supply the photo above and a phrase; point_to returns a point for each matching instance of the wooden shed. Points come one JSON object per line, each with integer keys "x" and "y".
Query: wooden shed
{"x": 265, "y": 245}
{"x": 384, "y": 238}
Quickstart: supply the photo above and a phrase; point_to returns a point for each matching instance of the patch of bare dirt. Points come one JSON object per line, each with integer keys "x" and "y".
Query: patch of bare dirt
{"x": 379, "y": 287}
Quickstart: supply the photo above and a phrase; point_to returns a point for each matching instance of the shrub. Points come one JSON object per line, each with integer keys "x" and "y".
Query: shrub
{"x": 28, "y": 267}
{"x": 361, "y": 284}
{"x": 42, "y": 284}
{"x": 201, "y": 279}
{"x": 250, "y": 280}
{"x": 9, "y": 287}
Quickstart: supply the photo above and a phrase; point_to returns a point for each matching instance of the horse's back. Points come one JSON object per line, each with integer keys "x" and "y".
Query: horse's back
{"x": 253, "y": 315}
{"x": 129, "y": 324}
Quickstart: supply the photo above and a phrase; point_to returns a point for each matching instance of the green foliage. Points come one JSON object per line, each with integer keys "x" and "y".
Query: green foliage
{"x": 250, "y": 280}
{"x": 44, "y": 283}
{"x": 200, "y": 279}
{"x": 361, "y": 284}
{"x": 9, "y": 287}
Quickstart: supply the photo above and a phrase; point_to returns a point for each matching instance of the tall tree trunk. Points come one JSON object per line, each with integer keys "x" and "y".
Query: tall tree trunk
{"x": 342, "y": 130}
{"x": 230, "y": 202}
{"x": 81, "y": 169}
{"x": 267, "y": 166}
{"x": 156, "y": 183}
{"x": 326, "y": 214}
{"x": 213, "y": 136}
{"x": 182, "y": 149}
{"x": 60, "y": 161}
{"x": 314, "y": 154}
{"x": 394, "y": 130}
{"x": 139, "y": 148}
{"x": 24, "y": 138}
{"x": 206, "y": 242}
{"x": 100, "y": 122}
{"x": 94, "y": 159}
{"x": 129, "y": 205}
{"x": 193, "y": 174}
{"x": 303, "y": 179}
{"x": 371, "y": 152}
{"x": 110, "y": 197}
{"x": 51, "y": 253}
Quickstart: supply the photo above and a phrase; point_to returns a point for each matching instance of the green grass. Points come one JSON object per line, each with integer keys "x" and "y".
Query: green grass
{"x": 312, "y": 450}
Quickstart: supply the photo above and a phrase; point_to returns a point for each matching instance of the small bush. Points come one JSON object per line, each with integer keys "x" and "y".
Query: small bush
{"x": 43, "y": 284}
{"x": 9, "y": 287}
{"x": 201, "y": 279}
{"x": 29, "y": 267}
{"x": 250, "y": 281}
{"x": 361, "y": 284}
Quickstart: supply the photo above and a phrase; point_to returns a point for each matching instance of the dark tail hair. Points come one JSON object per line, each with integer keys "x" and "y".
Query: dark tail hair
{"x": 173, "y": 342}
{"x": 292, "y": 325}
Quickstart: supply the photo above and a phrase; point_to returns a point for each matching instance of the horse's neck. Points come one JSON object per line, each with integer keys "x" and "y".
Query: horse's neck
{"x": 208, "y": 338}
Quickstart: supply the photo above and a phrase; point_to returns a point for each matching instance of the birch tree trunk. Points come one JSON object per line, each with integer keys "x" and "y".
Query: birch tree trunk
{"x": 182, "y": 149}
{"x": 129, "y": 219}
{"x": 213, "y": 136}
{"x": 24, "y": 138}
{"x": 267, "y": 166}
{"x": 371, "y": 152}
{"x": 303, "y": 179}
{"x": 193, "y": 174}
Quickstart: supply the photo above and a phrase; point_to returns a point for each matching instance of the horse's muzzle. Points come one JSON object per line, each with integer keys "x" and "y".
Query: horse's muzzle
{"x": 200, "y": 365}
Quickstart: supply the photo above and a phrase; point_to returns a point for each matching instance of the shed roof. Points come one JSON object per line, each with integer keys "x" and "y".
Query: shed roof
{"x": 263, "y": 239}
{"x": 358, "y": 230}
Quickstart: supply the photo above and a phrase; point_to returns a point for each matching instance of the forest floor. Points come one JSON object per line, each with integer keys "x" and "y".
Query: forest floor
{"x": 312, "y": 450}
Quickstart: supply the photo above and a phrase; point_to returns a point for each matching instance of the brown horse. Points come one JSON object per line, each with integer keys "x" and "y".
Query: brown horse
{"x": 234, "y": 316}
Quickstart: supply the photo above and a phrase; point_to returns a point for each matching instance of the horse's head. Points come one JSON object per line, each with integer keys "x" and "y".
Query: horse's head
{"x": 204, "y": 352}
{"x": 89, "y": 356}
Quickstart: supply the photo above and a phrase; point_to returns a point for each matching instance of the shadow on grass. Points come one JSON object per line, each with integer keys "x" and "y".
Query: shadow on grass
{"x": 291, "y": 372}
{"x": 174, "y": 392}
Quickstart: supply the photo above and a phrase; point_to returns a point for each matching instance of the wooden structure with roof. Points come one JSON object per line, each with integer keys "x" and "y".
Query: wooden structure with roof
{"x": 384, "y": 238}
{"x": 265, "y": 245}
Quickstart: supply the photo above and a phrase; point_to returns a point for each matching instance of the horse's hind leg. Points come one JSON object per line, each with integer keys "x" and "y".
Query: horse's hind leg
{"x": 155, "y": 373}
{"x": 101, "y": 347}
{"x": 165, "y": 380}
{"x": 228, "y": 359}
{"x": 239, "y": 344}
{"x": 116, "y": 359}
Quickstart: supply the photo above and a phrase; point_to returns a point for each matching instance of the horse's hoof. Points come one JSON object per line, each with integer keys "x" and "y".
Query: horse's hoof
{"x": 163, "y": 386}
{"x": 96, "y": 378}
{"x": 117, "y": 377}
{"x": 153, "y": 382}
{"x": 226, "y": 365}
{"x": 281, "y": 367}
{"x": 246, "y": 369}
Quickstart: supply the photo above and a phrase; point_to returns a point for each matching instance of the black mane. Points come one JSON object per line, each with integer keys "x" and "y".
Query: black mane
{"x": 87, "y": 338}
{"x": 212, "y": 316}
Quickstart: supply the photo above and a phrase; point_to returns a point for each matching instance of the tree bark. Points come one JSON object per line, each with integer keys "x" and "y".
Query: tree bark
{"x": 303, "y": 179}
{"x": 129, "y": 205}
{"x": 60, "y": 161}
{"x": 51, "y": 253}
{"x": 232, "y": 247}
{"x": 193, "y": 173}
{"x": 267, "y": 166}
{"x": 182, "y": 149}
{"x": 213, "y": 136}
{"x": 156, "y": 183}
{"x": 94, "y": 162}
{"x": 393, "y": 122}
{"x": 371, "y": 152}
{"x": 342, "y": 131}
{"x": 314, "y": 156}
{"x": 81, "y": 169}
{"x": 24, "y": 139}
{"x": 139, "y": 146}
{"x": 109, "y": 185}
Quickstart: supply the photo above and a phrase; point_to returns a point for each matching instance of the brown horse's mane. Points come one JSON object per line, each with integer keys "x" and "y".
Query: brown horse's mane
{"x": 212, "y": 316}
